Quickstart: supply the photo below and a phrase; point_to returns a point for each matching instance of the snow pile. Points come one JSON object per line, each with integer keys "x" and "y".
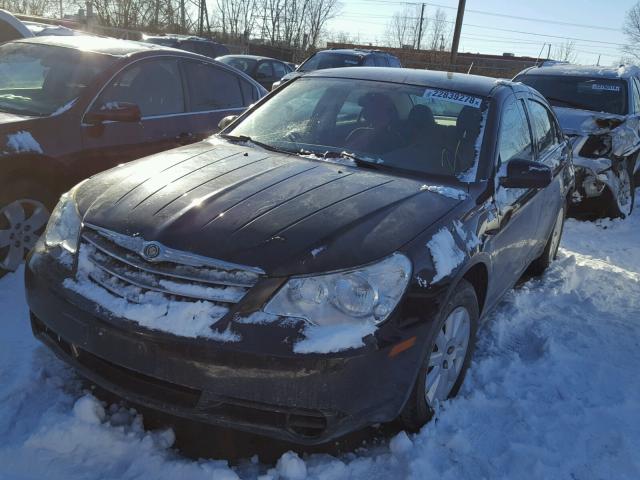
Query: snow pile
{"x": 553, "y": 392}
{"x": 445, "y": 253}
{"x": 23, "y": 142}
{"x": 149, "y": 309}
{"x": 446, "y": 191}
{"x": 334, "y": 338}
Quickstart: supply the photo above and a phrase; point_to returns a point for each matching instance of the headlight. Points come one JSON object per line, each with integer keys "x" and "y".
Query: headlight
{"x": 369, "y": 293}
{"x": 64, "y": 225}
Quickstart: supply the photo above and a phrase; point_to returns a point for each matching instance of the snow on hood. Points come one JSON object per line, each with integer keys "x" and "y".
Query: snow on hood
{"x": 624, "y": 129}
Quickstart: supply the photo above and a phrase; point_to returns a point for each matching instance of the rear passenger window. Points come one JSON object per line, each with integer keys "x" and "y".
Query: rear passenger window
{"x": 381, "y": 61}
{"x": 394, "y": 62}
{"x": 279, "y": 70}
{"x": 515, "y": 137}
{"x": 211, "y": 88}
{"x": 153, "y": 85}
{"x": 543, "y": 126}
{"x": 264, "y": 70}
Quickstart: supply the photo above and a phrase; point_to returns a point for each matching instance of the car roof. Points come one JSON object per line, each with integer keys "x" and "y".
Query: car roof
{"x": 355, "y": 51}
{"x": 623, "y": 71}
{"x": 104, "y": 45}
{"x": 251, "y": 57}
{"x": 472, "y": 84}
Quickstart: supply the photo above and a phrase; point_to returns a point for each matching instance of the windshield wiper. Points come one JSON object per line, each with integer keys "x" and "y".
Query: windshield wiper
{"x": 359, "y": 161}
{"x": 246, "y": 138}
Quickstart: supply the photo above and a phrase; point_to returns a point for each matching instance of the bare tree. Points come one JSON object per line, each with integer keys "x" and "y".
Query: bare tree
{"x": 403, "y": 27}
{"x": 631, "y": 29}
{"x": 439, "y": 31}
{"x": 565, "y": 52}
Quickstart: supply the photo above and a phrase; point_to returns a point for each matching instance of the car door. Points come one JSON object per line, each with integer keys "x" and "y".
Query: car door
{"x": 213, "y": 92}
{"x": 513, "y": 240}
{"x": 155, "y": 85}
{"x": 552, "y": 150}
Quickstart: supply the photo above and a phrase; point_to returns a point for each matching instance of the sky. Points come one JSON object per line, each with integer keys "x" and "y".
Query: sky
{"x": 489, "y": 26}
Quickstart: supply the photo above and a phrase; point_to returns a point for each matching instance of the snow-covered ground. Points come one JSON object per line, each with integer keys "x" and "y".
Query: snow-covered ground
{"x": 554, "y": 392}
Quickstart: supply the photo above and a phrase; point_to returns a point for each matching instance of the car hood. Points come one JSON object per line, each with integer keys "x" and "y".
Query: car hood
{"x": 623, "y": 128}
{"x": 282, "y": 213}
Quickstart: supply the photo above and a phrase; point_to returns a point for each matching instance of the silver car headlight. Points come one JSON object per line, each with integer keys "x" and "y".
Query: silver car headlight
{"x": 63, "y": 229}
{"x": 368, "y": 293}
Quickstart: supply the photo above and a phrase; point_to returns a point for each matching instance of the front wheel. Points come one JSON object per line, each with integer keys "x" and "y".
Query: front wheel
{"x": 448, "y": 358}
{"x": 621, "y": 204}
{"x": 24, "y": 211}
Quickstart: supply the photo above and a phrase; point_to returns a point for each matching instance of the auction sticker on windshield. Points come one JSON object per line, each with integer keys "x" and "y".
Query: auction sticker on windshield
{"x": 454, "y": 97}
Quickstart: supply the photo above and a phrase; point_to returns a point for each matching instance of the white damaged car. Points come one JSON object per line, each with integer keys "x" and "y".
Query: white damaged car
{"x": 599, "y": 110}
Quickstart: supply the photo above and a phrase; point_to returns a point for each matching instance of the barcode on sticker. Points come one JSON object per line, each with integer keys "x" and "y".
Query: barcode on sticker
{"x": 454, "y": 97}
{"x": 609, "y": 88}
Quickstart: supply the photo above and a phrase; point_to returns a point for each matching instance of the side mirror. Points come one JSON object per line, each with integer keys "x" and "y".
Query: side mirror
{"x": 226, "y": 121}
{"x": 114, "y": 112}
{"x": 526, "y": 174}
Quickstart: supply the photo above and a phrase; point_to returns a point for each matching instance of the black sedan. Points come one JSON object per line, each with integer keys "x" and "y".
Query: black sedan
{"x": 263, "y": 70}
{"x": 321, "y": 265}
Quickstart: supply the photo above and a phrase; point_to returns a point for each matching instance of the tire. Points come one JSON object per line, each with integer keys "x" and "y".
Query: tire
{"x": 24, "y": 210}
{"x": 621, "y": 205}
{"x": 540, "y": 264}
{"x": 419, "y": 407}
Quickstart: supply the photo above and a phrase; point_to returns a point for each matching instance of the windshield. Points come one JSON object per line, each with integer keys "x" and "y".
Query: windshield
{"x": 322, "y": 60}
{"x": 598, "y": 94}
{"x": 40, "y": 79}
{"x": 387, "y": 125}
{"x": 245, "y": 65}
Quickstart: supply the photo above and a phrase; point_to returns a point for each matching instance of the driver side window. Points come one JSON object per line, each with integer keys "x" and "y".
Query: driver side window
{"x": 153, "y": 85}
{"x": 515, "y": 136}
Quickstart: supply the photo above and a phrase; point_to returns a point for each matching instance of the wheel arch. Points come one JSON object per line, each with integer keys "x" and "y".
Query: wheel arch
{"x": 478, "y": 276}
{"x": 42, "y": 169}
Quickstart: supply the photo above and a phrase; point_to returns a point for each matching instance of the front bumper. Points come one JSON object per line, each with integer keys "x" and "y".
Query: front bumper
{"x": 306, "y": 399}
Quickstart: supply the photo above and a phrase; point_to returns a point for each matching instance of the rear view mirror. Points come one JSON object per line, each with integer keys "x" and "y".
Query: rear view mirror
{"x": 114, "y": 112}
{"x": 226, "y": 121}
{"x": 526, "y": 174}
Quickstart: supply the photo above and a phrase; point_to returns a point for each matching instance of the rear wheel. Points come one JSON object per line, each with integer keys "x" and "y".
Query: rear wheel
{"x": 448, "y": 358}
{"x": 24, "y": 211}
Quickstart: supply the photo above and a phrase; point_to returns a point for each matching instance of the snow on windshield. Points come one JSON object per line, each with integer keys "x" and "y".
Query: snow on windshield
{"x": 555, "y": 373}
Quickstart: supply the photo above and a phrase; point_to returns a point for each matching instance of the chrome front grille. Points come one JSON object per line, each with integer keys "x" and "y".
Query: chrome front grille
{"x": 123, "y": 266}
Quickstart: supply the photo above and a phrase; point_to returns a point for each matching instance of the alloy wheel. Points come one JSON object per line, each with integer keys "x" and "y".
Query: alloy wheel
{"x": 448, "y": 355}
{"x": 623, "y": 198}
{"x": 21, "y": 223}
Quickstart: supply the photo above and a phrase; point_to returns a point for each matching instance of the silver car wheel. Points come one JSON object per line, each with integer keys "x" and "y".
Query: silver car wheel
{"x": 21, "y": 223}
{"x": 448, "y": 355}
{"x": 623, "y": 199}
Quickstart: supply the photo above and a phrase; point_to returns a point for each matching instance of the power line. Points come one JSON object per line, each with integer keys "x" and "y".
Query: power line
{"x": 502, "y": 15}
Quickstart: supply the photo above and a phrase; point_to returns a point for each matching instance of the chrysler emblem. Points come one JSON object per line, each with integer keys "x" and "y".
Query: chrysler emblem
{"x": 151, "y": 251}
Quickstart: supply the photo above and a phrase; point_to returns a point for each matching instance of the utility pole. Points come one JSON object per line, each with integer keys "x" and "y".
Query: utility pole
{"x": 549, "y": 52}
{"x": 183, "y": 20}
{"x": 420, "y": 27}
{"x": 456, "y": 32}
{"x": 61, "y": 11}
